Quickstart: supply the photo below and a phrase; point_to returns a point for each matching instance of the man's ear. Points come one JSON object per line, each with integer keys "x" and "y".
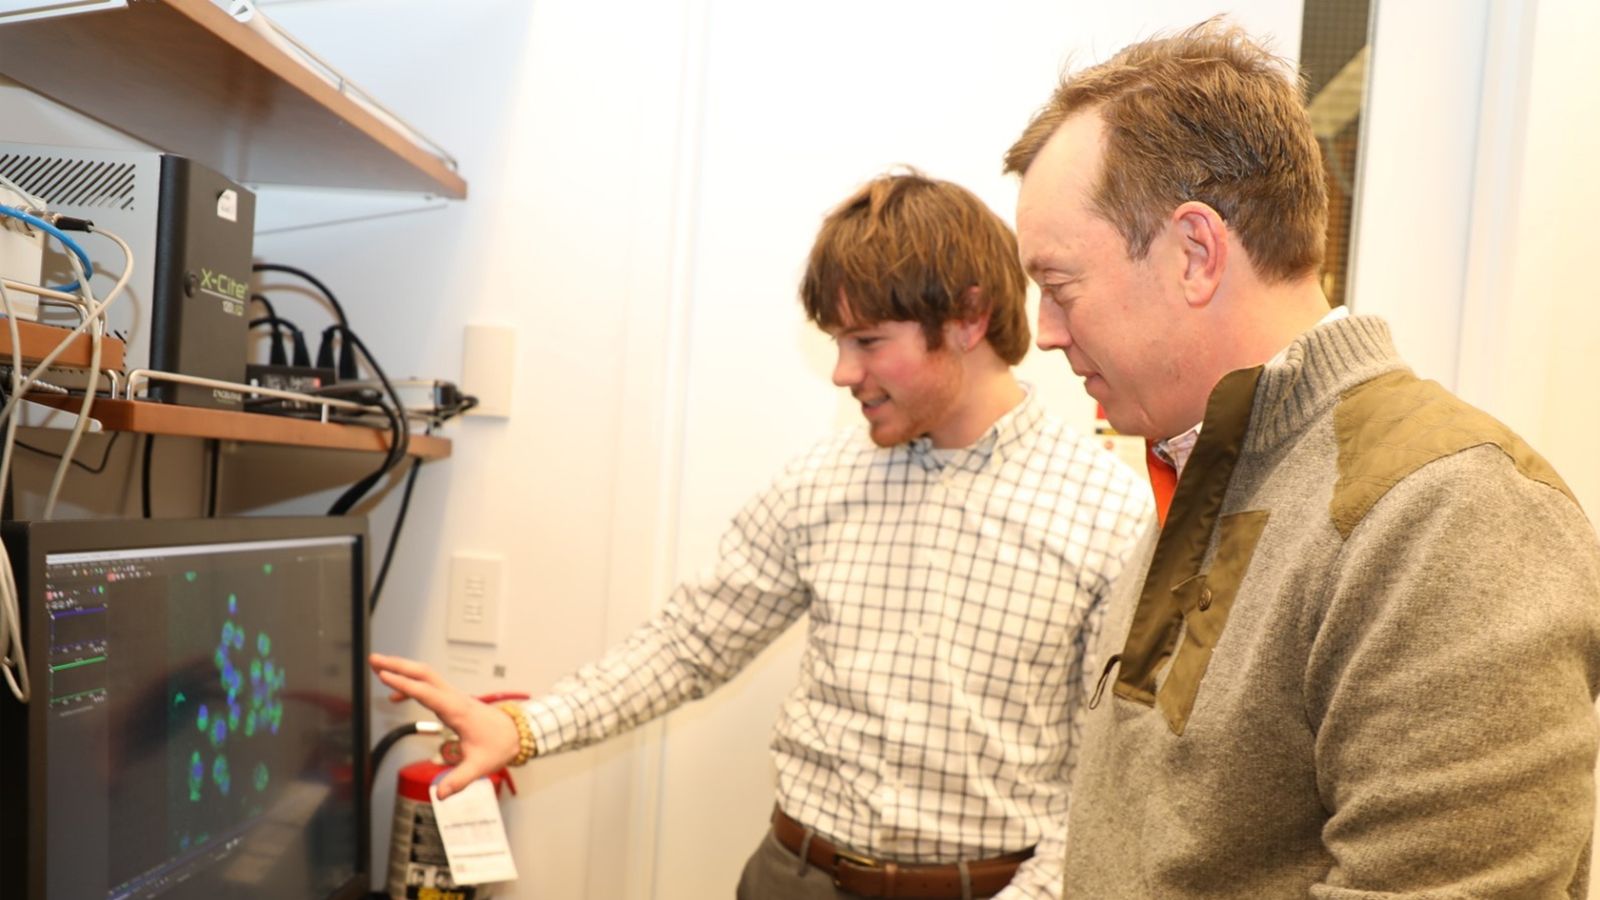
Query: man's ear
{"x": 1202, "y": 236}
{"x": 972, "y": 323}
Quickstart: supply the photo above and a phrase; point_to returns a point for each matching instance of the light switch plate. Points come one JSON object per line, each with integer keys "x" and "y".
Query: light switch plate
{"x": 474, "y": 611}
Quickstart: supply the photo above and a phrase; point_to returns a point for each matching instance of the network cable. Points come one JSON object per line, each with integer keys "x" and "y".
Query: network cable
{"x": 96, "y": 334}
{"x": 13, "y": 663}
{"x": 76, "y": 253}
{"x": 13, "y": 659}
{"x": 21, "y": 192}
{"x": 94, "y": 311}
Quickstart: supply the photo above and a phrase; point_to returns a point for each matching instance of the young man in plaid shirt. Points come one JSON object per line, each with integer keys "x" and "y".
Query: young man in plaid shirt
{"x": 949, "y": 560}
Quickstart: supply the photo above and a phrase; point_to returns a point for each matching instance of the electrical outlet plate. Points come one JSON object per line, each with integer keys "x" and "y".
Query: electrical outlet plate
{"x": 488, "y": 363}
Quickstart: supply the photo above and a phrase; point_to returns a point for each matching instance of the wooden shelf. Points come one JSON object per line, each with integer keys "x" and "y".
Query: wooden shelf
{"x": 38, "y": 340}
{"x": 188, "y": 421}
{"x": 184, "y": 76}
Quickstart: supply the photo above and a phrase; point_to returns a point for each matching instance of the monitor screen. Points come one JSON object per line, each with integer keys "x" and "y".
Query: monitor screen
{"x": 198, "y": 724}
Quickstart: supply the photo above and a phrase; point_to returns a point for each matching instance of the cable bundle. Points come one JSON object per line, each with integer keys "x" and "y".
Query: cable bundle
{"x": 13, "y": 663}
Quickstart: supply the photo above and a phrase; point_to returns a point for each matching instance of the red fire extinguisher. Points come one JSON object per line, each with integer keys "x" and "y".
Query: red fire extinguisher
{"x": 418, "y": 867}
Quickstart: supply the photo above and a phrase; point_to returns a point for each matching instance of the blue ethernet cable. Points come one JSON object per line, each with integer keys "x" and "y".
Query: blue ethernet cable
{"x": 56, "y": 233}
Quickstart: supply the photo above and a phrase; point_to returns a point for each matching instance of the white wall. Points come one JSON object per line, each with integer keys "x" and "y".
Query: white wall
{"x": 1531, "y": 353}
{"x": 1414, "y": 210}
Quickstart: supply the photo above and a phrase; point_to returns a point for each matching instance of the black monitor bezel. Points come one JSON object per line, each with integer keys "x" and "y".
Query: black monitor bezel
{"x": 24, "y": 756}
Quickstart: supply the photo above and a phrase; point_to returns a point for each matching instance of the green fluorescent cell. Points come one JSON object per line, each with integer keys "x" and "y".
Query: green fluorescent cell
{"x": 262, "y": 776}
{"x": 197, "y": 776}
{"x": 250, "y": 724}
{"x": 267, "y": 568}
{"x": 263, "y": 644}
{"x": 191, "y": 576}
{"x": 233, "y": 604}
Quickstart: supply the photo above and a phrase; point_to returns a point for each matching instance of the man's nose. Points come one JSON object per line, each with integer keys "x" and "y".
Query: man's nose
{"x": 846, "y": 371}
{"x": 1053, "y": 332}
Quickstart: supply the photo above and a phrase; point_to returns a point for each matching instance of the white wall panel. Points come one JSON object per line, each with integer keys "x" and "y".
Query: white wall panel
{"x": 1414, "y": 210}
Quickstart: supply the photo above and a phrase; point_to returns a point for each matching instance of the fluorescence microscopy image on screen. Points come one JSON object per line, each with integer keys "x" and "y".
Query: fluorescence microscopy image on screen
{"x": 239, "y": 736}
{"x": 207, "y": 691}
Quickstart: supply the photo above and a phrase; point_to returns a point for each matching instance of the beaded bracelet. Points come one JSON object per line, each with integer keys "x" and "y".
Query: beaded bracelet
{"x": 526, "y": 749}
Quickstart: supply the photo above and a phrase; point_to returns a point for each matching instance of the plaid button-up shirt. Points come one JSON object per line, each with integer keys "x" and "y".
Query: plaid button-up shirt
{"x": 949, "y": 597}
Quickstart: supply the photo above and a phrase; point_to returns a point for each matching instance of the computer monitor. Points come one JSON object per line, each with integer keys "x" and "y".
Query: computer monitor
{"x": 199, "y": 719}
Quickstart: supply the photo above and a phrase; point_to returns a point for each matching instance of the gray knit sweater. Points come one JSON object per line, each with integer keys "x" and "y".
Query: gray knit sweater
{"x": 1364, "y": 659}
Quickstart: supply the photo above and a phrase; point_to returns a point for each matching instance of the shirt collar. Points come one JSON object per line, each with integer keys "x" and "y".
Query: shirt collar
{"x": 1174, "y": 451}
{"x": 1334, "y": 315}
{"x": 1006, "y": 433}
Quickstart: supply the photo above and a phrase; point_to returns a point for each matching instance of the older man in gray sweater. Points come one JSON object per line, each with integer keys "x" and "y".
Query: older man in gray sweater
{"x": 1359, "y": 656}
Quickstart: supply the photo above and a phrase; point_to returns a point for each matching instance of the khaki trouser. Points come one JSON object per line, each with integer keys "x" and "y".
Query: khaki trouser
{"x": 774, "y": 873}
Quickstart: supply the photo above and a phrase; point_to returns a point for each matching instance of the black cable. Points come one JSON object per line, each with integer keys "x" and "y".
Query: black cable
{"x": 272, "y": 314}
{"x": 355, "y": 492}
{"x": 95, "y": 469}
{"x": 277, "y": 322}
{"x": 346, "y": 367}
{"x": 394, "y": 535}
{"x": 385, "y": 743}
{"x": 399, "y": 443}
{"x": 312, "y": 279}
{"x": 277, "y": 355}
{"x": 144, "y": 476}
{"x": 325, "y": 348}
{"x": 461, "y": 408}
{"x": 214, "y": 454}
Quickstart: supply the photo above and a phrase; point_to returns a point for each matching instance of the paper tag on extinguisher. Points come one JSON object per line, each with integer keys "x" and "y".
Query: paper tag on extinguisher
{"x": 474, "y": 836}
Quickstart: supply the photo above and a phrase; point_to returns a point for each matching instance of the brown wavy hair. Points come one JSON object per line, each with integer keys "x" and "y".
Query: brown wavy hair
{"x": 1207, "y": 114}
{"x": 909, "y": 248}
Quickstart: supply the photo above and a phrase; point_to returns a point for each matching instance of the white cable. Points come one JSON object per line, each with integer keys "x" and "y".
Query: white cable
{"x": 14, "y": 665}
{"x": 95, "y": 334}
{"x": 94, "y": 312}
{"x": 13, "y": 662}
{"x": 13, "y": 659}
{"x": 11, "y": 422}
{"x": 32, "y": 200}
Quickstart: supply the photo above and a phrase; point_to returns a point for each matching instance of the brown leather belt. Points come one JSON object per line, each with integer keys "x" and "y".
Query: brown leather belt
{"x": 868, "y": 877}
